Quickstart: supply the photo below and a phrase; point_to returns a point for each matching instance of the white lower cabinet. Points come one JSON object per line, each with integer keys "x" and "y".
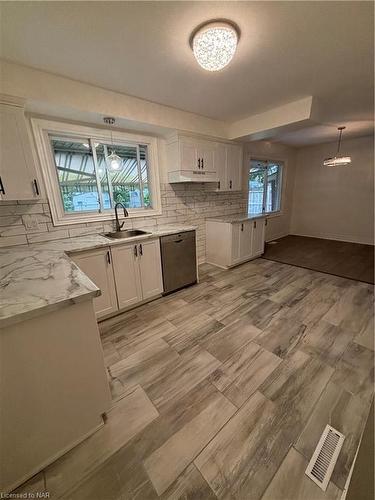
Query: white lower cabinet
{"x": 137, "y": 270}
{"x": 241, "y": 241}
{"x": 230, "y": 243}
{"x": 258, "y": 237}
{"x": 150, "y": 269}
{"x": 126, "y": 271}
{"x": 98, "y": 267}
{"x": 126, "y": 274}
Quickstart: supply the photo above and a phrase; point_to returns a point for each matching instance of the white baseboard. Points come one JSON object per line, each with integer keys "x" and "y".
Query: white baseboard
{"x": 277, "y": 236}
{"x": 336, "y": 237}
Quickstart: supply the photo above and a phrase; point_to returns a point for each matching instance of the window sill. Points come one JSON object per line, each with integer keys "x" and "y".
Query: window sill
{"x": 269, "y": 215}
{"x": 84, "y": 218}
{"x": 272, "y": 215}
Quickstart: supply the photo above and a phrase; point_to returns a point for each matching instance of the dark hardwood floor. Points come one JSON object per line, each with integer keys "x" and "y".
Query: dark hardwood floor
{"x": 348, "y": 260}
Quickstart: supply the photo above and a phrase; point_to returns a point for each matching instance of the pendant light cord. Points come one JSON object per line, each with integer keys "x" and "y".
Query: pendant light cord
{"x": 339, "y": 144}
{"x": 340, "y": 135}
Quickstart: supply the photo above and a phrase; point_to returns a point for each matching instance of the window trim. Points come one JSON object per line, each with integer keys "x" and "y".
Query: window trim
{"x": 43, "y": 128}
{"x": 281, "y": 211}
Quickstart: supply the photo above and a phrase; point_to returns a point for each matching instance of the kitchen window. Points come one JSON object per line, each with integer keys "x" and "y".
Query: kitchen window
{"x": 265, "y": 187}
{"x": 81, "y": 183}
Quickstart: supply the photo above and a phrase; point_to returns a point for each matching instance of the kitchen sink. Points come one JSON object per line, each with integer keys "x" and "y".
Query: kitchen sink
{"x": 129, "y": 233}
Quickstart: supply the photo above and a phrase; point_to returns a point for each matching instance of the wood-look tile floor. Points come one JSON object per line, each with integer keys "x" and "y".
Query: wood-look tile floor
{"x": 222, "y": 390}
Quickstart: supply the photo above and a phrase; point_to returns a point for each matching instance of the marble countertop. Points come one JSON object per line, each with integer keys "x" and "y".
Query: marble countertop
{"x": 231, "y": 219}
{"x": 41, "y": 278}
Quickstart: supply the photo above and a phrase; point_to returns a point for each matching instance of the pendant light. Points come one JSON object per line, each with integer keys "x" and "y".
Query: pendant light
{"x": 338, "y": 160}
{"x": 114, "y": 161}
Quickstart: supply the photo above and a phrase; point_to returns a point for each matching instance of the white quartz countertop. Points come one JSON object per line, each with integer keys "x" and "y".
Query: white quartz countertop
{"x": 231, "y": 219}
{"x": 41, "y": 278}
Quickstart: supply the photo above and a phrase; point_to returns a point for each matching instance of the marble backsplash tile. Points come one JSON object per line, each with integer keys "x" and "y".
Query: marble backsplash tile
{"x": 23, "y": 223}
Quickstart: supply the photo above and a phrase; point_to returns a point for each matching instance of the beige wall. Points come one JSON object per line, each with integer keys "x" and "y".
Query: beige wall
{"x": 53, "y": 95}
{"x": 277, "y": 226}
{"x": 335, "y": 203}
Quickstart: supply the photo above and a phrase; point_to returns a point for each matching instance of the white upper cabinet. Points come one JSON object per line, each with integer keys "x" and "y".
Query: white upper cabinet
{"x": 234, "y": 167}
{"x": 190, "y": 160}
{"x": 205, "y": 153}
{"x": 97, "y": 265}
{"x": 228, "y": 163}
{"x": 220, "y": 159}
{"x": 18, "y": 179}
{"x": 188, "y": 156}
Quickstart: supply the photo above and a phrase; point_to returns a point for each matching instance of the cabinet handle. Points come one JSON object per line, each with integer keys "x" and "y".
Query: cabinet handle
{"x": 2, "y": 190}
{"x": 255, "y": 223}
{"x": 241, "y": 227}
{"x": 199, "y": 163}
{"x": 218, "y": 185}
{"x": 265, "y": 222}
{"x": 230, "y": 184}
{"x": 140, "y": 250}
{"x": 36, "y": 187}
{"x": 202, "y": 163}
{"x": 136, "y": 250}
{"x": 109, "y": 257}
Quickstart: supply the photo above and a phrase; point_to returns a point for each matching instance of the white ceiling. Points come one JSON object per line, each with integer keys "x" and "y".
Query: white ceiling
{"x": 287, "y": 51}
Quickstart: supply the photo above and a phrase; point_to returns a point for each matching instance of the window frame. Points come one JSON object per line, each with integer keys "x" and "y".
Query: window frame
{"x": 43, "y": 129}
{"x": 283, "y": 165}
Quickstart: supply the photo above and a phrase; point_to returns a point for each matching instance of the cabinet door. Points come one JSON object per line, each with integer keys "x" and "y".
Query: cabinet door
{"x": 97, "y": 265}
{"x": 150, "y": 268}
{"x": 234, "y": 167}
{"x": 236, "y": 238}
{"x": 241, "y": 241}
{"x": 220, "y": 157}
{"x": 206, "y": 154}
{"x": 126, "y": 271}
{"x": 246, "y": 240}
{"x": 258, "y": 237}
{"x": 188, "y": 156}
{"x": 17, "y": 168}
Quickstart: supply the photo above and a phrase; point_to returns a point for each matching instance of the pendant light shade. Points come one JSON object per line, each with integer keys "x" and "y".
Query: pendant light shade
{"x": 114, "y": 161}
{"x": 338, "y": 160}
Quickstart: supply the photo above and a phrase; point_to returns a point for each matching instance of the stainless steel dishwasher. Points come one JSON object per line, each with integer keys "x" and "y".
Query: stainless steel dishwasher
{"x": 179, "y": 262}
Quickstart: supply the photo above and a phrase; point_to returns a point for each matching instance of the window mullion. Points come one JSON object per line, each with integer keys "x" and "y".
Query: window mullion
{"x": 109, "y": 180}
{"x": 98, "y": 183}
{"x": 140, "y": 176}
{"x": 265, "y": 184}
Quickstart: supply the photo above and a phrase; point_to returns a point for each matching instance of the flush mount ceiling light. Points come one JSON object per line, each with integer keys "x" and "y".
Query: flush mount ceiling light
{"x": 338, "y": 160}
{"x": 114, "y": 161}
{"x": 214, "y": 44}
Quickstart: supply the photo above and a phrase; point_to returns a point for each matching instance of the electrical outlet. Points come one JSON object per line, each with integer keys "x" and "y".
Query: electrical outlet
{"x": 30, "y": 222}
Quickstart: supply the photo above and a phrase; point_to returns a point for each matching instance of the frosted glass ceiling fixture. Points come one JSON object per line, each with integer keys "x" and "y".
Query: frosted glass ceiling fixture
{"x": 338, "y": 160}
{"x": 114, "y": 161}
{"x": 214, "y": 44}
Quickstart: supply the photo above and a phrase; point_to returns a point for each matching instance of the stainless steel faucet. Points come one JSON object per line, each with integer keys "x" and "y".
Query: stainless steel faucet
{"x": 126, "y": 214}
